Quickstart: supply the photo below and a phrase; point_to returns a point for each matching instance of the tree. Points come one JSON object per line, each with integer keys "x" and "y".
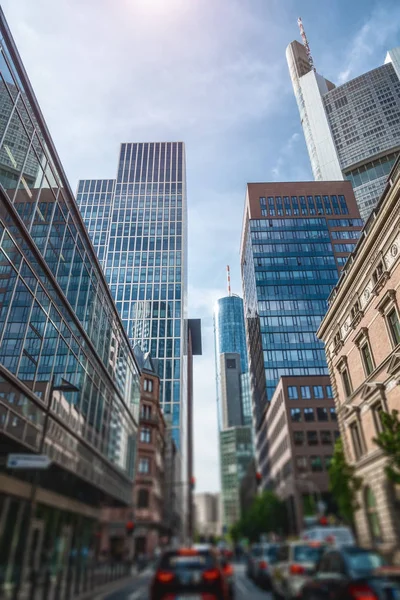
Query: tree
{"x": 389, "y": 442}
{"x": 343, "y": 484}
{"x": 267, "y": 514}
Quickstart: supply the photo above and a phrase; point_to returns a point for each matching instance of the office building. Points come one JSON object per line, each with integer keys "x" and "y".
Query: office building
{"x": 207, "y": 515}
{"x": 299, "y": 430}
{"x": 69, "y": 385}
{"x": 352, "y": 131}
{"x": 296, "y": 238}
{"x": 236, "y": 453}
{"x": 138, "y": 226}
{"x": 361, "y": 332}
{"x": 233, "y": 402}
{"x": 230, "y": 337}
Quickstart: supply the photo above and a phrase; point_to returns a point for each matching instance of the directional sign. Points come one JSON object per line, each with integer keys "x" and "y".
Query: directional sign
{"x": 28, "y": 461}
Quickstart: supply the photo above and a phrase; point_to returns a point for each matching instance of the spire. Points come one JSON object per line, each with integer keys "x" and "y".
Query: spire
{"x": 228, "y": 275}
{"x": 305, "y": 43}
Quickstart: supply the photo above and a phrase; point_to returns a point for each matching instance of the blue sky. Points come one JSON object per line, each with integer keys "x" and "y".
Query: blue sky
{"x": 211, "y": 73}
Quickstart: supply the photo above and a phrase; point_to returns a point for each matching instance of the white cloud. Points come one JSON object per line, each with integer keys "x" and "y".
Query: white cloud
{"x": 381, "y": 26}
{"x": 285, "y": 155}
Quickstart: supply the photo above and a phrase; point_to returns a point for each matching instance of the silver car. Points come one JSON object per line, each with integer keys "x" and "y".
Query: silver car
{"x": 296, "y": 563}
{"x": 260, "y": 561}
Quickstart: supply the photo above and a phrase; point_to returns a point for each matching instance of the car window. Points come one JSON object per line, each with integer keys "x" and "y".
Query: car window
{"x": 362, "y": 562}
{"x": 177, "y": 561}
{"x": 256, "y": 551}
{"x": 307, "y": 553}
{"x": 271, "y": 553}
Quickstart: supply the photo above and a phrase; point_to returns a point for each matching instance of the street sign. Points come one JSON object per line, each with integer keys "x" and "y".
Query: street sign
{"x": 28, "y": 461}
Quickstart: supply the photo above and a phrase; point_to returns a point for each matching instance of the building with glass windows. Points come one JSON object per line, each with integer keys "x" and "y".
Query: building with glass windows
{"x": 138, "y": 226}
{"x": 352, "y": 131}
{"x": 296, "y": 238}
{"x": 69, "y": 382}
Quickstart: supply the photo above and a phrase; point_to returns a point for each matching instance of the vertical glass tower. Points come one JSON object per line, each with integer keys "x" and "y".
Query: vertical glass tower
{"x": 138, "y": 225}
{"x": 230, "y": 337}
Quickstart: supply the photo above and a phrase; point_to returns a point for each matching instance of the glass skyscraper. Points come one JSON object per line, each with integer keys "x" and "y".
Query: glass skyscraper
{"x": 296, "y": 238}
{"x": 230, "y": 337}
{"x": 138, "y": 226}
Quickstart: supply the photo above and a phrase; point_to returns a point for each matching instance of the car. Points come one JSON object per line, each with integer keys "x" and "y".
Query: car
{"x": 353, "y": 573}
{"x": 295, "y": 563}
{"x": 261, "y": 559}
{"x": 190, "y": 573}
{"x": 336, "y": 536}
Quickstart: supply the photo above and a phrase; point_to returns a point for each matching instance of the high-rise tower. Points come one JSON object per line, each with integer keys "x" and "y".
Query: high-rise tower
{"x": 352, "y": 131}
{"x": 138, "y": 225}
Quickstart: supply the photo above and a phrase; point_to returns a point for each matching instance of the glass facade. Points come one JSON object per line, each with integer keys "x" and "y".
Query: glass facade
{"x": 289, "y": 266}
{"x": 138, "y": 227}
{"x": 230, "y": 336}
{"x": 57, "y": 317}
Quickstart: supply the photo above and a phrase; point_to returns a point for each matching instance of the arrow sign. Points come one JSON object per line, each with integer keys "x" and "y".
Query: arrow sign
{"x": 28, "y": 461}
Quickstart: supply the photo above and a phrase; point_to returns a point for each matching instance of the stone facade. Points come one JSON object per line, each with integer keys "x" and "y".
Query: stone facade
{"x": 361, "y": 331}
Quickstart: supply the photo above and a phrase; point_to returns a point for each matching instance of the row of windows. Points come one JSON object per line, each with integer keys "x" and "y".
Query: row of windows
{"x": 151, "y": 162}
{"x": 144, "y": 259}
{"x": 345, "y": 235}
{"x": 299, "y": 290}
{"x": 147, "y": 274}
{"x": 308, "y": 414}
{"x": 144, "y": 244}
{"x": 293, "y": 356}
{"x": 291, "y": 205}
{"x": 292, "y": 235}
{"x": 96, "y": 185}
{"x": 303, "y": 321}
{"x": 314, "y": 438}
{"x": 153, "y": 291}
{"x": 299, "y": 223}
{"x": 305, "y": 392}
{"x": 146, "y": 216}
{"x": 312, "y": 247}
{"x": 313, "y": 463}
{"x": 295, "y": 261}
{"x": 372, "y": 170}
{"x": 303, "y": 275}
{"x": 284, "y": 306}
{"x": 288, "y": 338}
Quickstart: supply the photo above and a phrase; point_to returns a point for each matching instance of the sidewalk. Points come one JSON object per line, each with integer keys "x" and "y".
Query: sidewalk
{"x": 114, "y": 586}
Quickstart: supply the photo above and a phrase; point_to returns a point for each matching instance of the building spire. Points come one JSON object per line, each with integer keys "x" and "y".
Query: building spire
{"x": 305, "y": 43}
{"x": 228, "y": 276}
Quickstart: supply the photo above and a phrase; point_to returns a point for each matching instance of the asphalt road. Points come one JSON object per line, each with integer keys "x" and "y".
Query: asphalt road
{"x": 139, "y": 588}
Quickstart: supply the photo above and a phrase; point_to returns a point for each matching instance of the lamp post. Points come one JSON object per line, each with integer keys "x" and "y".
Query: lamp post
{"x": 64, "y": 386}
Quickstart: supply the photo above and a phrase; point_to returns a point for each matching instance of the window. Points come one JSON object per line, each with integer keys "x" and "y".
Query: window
{"x": 143, "y": 499}
{"x": 144, "y": 465}
{"x": 346, "y": 381}
{"x": 305, "y": 392}
{"x": 309, "y": 414}
{"x": 295, "y": 414}
{"x": 292, "y": 392}
{"x": 148, "y": 385}
{"x": 377, "y": 274}
{"x": 329, "y": 391}
{"x": 145, "y": 435}
{"x": 316, "y": 463}
{"x": 367, "y": 359}
{"x": 318, "y": 391}
{"x": 333, "y": 414}
{"x": 302, "y": 463}
{"x": 372, "y": 514}
{"x": 356, "y": 439}
{"x": 394, "y": 326}
{"x": 146, "y": 411}
{"x": 230, "y": 363}
{"x": 312, "y": 438}
{"x": 328, "y": 460}
{"x": 322, "y": 414}
{"x": 326, "y": 436}
{"x": 298, "y": 437}
{"x": 377, "y": 410}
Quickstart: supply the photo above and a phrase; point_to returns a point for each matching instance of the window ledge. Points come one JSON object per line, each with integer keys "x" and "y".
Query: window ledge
{"x": 380, "y": 283}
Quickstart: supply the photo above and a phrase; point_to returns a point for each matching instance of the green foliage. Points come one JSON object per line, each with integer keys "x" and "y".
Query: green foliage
{"x": 267, "y": 514}
{"x": 343, "y": 484}
{"x": 389, "y": 442}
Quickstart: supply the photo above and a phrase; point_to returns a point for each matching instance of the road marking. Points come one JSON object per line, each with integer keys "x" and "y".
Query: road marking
{"x": 135, "y": 595}
{"x": 242, "y": 587}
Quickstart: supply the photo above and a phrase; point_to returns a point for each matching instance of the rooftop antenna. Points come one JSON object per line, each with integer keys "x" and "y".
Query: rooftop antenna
{"x": 305, "y": 43}
{"x": 228, "y": 276}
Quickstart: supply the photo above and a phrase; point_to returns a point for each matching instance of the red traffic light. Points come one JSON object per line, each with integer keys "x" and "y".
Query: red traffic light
{"x": 192, "y": 482}
{"x": 323, "y": 521}
{"x": 258, "y": 477}
{"x": 130, "y": 526}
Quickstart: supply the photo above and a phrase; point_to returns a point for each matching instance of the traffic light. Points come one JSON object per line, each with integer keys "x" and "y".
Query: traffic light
{"x": 192, "y": 483}
{"x": 258, "y": 477}
{"x": 130, "y": 527}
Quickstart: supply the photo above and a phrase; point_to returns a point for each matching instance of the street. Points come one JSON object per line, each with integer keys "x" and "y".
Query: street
{"x": 139, "y": 588}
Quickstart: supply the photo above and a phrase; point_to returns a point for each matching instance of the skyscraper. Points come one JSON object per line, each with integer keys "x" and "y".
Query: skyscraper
{"x": 352, "y": 131}
{"x": 230, "y": 338}
{"x": 295, "y": 239}
{"x": 233, "y": 402}
{"x": 138, "y": 226}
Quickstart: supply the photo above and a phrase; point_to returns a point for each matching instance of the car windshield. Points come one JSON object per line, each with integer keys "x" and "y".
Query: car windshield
{"x": 364, "y": 562}
{"x": 256, "y": 551}
{"x": 270, "y": 552}
{"x": 177, "y": 561}
{"x": 307, "y": 553}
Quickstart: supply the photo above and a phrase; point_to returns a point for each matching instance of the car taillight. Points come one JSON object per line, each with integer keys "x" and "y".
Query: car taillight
{"x": 211, "y": 574}
{"x": 297, "y": 569}
{"x": 263, "y": 564}
{"x": 164, "y": 576}
{"x": 228, "y": 570}
{"x": 361, "y": 592}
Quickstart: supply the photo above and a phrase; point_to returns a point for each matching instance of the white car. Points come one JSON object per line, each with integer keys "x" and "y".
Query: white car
{"x": 296, "y": 562}
{"x": 334, "y": 536}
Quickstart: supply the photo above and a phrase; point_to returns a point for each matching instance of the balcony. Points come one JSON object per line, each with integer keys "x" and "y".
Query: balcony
{"x": 150, "y": 419}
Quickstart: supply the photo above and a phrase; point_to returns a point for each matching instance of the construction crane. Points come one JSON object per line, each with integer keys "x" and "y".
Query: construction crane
{"x": 305, "y": 43}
